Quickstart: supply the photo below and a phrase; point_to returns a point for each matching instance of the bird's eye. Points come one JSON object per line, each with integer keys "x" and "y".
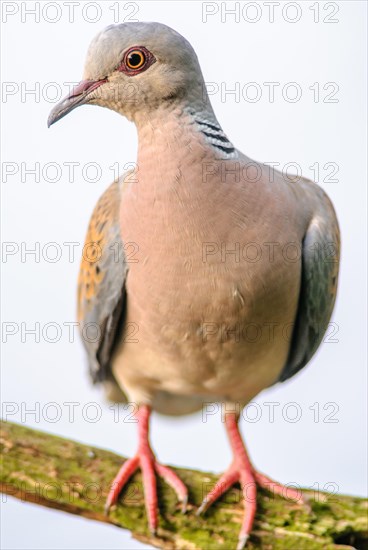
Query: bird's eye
{"x": 135, "y": 59}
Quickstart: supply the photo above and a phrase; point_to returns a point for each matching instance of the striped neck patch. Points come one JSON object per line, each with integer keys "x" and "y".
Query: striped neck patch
{"x": 215, "y": 137}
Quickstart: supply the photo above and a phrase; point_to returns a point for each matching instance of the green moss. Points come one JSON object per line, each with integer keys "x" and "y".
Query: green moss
{"x": 76, "y": 478}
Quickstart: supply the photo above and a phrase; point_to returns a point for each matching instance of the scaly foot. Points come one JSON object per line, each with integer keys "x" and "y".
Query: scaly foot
{"x": 242, "y": 471}
{"x": 145, "y": 459}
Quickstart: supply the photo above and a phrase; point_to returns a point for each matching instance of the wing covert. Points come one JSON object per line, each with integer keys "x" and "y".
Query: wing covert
{"x": 101, "y": 283}
{"x": 320, "y": 266}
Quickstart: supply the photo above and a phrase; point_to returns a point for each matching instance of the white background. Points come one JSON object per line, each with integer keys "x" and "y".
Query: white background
{"x": 305, "y": 132}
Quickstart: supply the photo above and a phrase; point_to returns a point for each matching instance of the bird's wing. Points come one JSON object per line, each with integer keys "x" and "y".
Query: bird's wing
{"x": 101, "y": 283}
{"x": 320, "y": 266}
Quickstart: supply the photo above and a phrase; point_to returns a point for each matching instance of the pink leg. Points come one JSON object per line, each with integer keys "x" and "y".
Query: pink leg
{"x": 145, "y": 459}
{"x": 241, "y": 470}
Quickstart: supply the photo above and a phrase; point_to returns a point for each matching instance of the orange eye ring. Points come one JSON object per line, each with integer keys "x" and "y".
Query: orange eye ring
{"x": 135, "y": 59}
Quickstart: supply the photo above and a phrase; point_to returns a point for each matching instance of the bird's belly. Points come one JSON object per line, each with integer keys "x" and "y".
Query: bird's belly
{"x": 213, "y": 339}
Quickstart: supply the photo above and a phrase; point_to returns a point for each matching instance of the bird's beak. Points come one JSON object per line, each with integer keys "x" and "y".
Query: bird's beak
{"x": 78, "y": 96}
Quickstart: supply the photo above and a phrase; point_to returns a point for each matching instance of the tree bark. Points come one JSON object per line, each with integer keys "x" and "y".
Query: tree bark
{"x": 66, "y": 475}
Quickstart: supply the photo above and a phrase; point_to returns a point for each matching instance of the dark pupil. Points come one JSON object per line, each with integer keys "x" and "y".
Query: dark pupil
{"x": 135, "y": 59}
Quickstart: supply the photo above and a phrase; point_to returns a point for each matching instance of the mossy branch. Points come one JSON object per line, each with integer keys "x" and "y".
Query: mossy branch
{"x": 66, "y": 475}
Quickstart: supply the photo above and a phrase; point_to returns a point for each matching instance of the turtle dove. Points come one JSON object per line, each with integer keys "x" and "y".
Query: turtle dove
{"x": 174, "y": 306}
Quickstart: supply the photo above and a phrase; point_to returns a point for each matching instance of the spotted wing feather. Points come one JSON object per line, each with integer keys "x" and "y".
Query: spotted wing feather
{"x": 101, "y": 284}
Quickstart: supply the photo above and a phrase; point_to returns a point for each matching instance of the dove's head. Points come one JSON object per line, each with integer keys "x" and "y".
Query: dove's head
{"x": 135, "y": 68}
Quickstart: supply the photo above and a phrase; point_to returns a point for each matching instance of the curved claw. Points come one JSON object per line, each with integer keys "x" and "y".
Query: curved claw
{"x": 203, "y": 507}
{"x": 184, "y": 504}
{"x": 242, "y": 542}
